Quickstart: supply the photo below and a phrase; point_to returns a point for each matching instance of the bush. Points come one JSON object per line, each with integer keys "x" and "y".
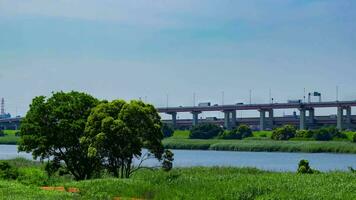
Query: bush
{"x": 7, "y": 171}
{"x": 322, "y": 134}
{"x": 32, "y": 176}
{"x": 2, "y": 134}
{"x": 205, "y": 131}
{"x": 304, "y": 134}
{"x": 234, "y": 134}
{"x": 240, "y": 132}
{"x": 304, "y": 168}
{"x": 354, "y": 138}
{"x": 284, "y": 133}
{"x": 167, "y": 130}
{"x": 244, "y": 130}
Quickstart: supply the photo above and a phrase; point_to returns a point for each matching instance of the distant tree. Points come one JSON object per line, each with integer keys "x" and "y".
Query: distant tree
{"x": 244, "y": 130}
{"x": 240, "y": 132}
{"x": 284, "y": 133}
{"x": 304, "y": 168}
{"x": 52, "y": 129}
{"x": 118, "y": 131}
{"x": 323, "y": 134}
{"x": 205, "y": 131}
{"x": 168, "y": 159}
{"x": 167, "y": 130}
{"x": 304, "y": 134}
{"x": 354, "y": 137}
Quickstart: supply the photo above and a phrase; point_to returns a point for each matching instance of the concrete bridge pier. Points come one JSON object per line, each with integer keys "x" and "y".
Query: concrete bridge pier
{"x": 174, "y": 119}
{"x": 271, "y": 118}
{"x": 302, "y": 119}
{"x": 340, "y": 116}
{"x": 195, "y": 117}
{"x": 311, "y": 116}
{"x": 227, "y": 123}
{"x": 262, "y": 119}
{"x": 348, "y": 117}
{"x": 233, "y": 119}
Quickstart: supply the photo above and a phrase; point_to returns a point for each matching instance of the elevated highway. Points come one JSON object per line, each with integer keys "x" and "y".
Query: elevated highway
{"x": 342, "y": 120}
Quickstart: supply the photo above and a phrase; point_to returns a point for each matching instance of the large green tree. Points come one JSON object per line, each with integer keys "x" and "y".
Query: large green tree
{"x": 117, "y": 132}
{"x": 52, "y": 130}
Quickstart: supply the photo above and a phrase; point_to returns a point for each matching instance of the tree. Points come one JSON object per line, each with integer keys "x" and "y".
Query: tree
{"x": 205, "y": 131}
{"x": 52, "y": 128}
{"x": 240, "y": 132}
{"x": 117, "y": 132}
{"x": 167, "y": 130}
{"x": 284, "y": 133}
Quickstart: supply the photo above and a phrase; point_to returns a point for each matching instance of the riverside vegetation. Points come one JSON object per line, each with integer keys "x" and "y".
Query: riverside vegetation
{"x": 283, "y": 139}
{"x": 180, "y": 183}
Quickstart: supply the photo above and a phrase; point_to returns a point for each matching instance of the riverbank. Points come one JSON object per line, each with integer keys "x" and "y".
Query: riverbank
{"x": 262, "y": 145}
{"x": 187, "y": 183}
{"x": 10, "y": 137}
{"x": 260, "y": 142}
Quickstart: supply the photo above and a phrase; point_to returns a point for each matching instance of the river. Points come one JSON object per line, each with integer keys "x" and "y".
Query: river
{"x": 274, "y": 161}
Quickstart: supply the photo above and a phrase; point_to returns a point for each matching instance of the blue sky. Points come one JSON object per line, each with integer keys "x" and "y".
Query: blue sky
{"x": 151, "y": 48}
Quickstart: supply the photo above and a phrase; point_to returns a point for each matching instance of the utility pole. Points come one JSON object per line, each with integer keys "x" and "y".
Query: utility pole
{"x": 222, "y": 98}
{"x": 167, "y": 99}
{"x": 304, "y": 96}
{"x": 194, "y": 99}
{"x": 270, "y": 96}
{"x": 2, "y": 106}
{"x": 250, "y": 96}
{"x": 337, "y": 93}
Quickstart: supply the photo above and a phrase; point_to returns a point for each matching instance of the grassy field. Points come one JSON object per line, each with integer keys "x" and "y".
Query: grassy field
{"x": 9, "y": 138}
{"x": 260, "y": 142}
{"x": 191, "y": 183}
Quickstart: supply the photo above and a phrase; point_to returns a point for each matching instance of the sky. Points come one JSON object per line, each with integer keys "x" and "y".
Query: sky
{"x": 156, "y": 49}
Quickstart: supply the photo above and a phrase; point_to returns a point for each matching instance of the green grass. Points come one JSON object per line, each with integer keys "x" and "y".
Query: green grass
{"x": 179, "y": 134}
{"x": 262, "y": 134}
{"x": 10, "y": 137}
{"x": 260, "y": 142}
{"x": 262, "y": 145}
{"x": 200, "y": 183}
{"x": 11, "y": 132}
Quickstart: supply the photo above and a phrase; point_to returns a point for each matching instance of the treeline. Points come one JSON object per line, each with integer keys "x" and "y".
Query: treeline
{"x": 286, "y": 132}
{"x": 89, "y": 135}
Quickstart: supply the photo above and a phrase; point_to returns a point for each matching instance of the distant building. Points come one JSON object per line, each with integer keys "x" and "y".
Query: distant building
{"x": 3, "y": 114}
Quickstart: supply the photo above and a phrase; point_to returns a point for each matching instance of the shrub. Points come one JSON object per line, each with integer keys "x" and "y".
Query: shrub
{"x": 336, "y": 133}
{"x": 322, "y": 134}
{"x": 244, "y": 130}
{"x": 32, "y": 176}
{"x": 240, "y": 132}
{"x": 167, "y": 130}
{"x": 304, "y": 134}
{"x": 2, "y": 134}
{"x": 304, "y": 168}
{"x": 234, "y": 134}
{"x": 354, "y": 138}
{"x": 7, "y": 171}
{"x": 284, "y": 133}
{"x": 205, "y": 131}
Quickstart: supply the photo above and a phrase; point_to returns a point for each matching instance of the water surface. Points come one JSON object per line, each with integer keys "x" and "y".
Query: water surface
{"x": 275, "y": 161}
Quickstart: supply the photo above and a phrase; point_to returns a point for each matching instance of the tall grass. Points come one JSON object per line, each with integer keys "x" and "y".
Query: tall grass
{"x": 201, "y": 183}
{"x": 185, "y": 183}
{"x": 263, "y": 145}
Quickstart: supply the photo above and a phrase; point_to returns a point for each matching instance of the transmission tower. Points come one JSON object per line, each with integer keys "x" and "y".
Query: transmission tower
{"x": 2, "y": 106}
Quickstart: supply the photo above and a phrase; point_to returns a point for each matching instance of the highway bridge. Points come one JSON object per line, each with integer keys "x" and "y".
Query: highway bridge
{"x": 10, "y": 123}
{"x": 343, "y": 119}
